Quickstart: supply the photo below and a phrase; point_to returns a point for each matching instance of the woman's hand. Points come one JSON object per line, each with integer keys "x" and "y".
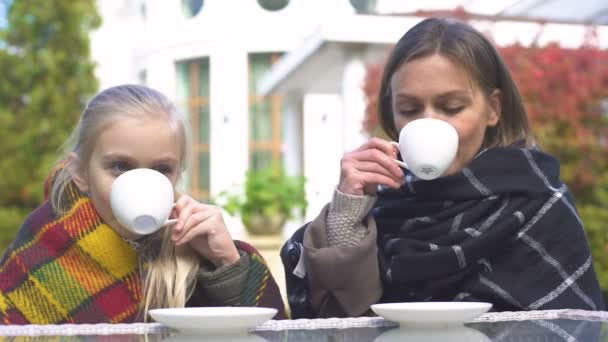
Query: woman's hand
{"x": 203, "y": 227}
{"x": 371, "y": 164}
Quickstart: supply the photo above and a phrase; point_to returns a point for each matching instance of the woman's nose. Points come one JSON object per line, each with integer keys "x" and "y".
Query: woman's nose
{"x": 430, "y": 114}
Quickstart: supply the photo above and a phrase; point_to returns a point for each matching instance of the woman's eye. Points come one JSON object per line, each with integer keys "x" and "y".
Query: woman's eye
{"x": 408, "y": 112}
{"x": 453, "y": 110}
{"x": 164, "y": 169}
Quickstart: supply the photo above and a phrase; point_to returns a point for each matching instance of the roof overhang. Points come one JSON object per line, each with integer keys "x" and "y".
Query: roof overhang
{"x": 316, "y": 65}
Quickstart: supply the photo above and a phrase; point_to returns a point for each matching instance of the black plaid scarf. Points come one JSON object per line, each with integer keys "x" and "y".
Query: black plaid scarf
{"x": 504, "y": 230}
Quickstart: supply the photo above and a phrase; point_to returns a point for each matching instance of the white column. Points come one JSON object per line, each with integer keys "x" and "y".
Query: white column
{"x": 229, "y": 118}
{"x": 112, "y": 44}
{"x": 291, "y": 133}
{"x": 353, "y": 104}
{"x": 161, "y": 74}
{"x": 322, "y": 149}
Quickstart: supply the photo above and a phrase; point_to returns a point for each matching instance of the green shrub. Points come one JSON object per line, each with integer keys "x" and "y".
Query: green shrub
{"x": 595, "y": 219}
{"x": 47, "y": 74}
{"x": 268, "y": 193}
{"x": 11, "y": 219}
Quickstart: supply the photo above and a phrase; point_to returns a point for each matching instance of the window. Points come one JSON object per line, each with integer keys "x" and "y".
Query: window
{"x": 192, "y": 7}
{"x": 604, "y": 107}
{"x": 142, "y": 77}
{"x": 364, "y": 6}
{"x": 143, "y": 10}
{"x": 193, "y": 99}
{"x": 264, "y": 116}
{"x": 273, "y": 5}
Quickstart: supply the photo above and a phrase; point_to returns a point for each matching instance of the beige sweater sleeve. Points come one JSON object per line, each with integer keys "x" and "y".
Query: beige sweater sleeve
{"x": 344, "y": 277}
{"x": 345, "y": 219}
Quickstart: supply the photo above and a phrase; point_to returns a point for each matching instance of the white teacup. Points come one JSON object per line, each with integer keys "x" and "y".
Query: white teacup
{"x": 428, "y": 147}
{"x": 142, "y": 200}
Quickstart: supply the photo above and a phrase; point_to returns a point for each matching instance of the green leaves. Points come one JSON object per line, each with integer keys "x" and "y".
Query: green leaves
{"x": 47, "y": 71}
{"x": 268, "y": 192}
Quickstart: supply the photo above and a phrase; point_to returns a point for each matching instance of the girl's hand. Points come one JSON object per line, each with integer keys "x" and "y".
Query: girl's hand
{"x": 202, "y": 226}
{"x": 371, "y": 164}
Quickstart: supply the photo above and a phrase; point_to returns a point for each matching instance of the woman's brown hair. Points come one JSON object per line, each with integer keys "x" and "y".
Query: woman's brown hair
{"x": 467, "y": 47}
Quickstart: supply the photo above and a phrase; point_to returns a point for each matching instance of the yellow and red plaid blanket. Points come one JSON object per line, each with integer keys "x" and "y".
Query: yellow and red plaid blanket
{"x": 76, "y": 269}
{"x": 68, "y": 269}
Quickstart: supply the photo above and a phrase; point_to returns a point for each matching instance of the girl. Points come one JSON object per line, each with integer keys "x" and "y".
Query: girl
{"x": 72, "y": 262}
{"x": 498, "y": 227}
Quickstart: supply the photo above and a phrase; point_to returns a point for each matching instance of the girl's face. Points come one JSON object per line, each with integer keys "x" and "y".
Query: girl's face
{"x": 434, "y": 87}
{"x": 124, "y": 144}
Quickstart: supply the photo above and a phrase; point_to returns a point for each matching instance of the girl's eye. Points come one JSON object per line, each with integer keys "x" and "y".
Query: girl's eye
{"x": 119, "y": 167}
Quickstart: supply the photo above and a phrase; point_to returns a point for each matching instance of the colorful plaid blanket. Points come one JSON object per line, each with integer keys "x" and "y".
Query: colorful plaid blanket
{"x": 76, "y": 269}
{"x": 68, "y": 269}
{"x": 261, "y": 289}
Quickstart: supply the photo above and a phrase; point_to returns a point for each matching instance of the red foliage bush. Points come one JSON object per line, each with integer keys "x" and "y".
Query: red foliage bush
{"x": 564, "y": 91}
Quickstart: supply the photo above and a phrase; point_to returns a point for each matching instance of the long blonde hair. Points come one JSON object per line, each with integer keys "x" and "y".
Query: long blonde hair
{"x": 168, "y": 273}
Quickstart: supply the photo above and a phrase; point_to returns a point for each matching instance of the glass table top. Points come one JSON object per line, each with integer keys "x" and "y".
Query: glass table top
{"x": 556, "y": 325}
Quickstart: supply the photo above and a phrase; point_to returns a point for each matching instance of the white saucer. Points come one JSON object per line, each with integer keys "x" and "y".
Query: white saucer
{"x": 433, "y": 334}
{"x": 431, "y": 313}
{"x": 213, "y": 320}
{"x": 216, "y": 338}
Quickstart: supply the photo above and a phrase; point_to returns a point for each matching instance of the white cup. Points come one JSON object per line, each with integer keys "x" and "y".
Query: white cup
{"x": 428, "y": 147}
{"x": 142, "y": 200}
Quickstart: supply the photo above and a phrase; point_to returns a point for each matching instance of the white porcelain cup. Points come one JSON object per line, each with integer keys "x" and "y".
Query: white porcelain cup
{"x": 428, "y": 147}
{"x": 142, "y": 200}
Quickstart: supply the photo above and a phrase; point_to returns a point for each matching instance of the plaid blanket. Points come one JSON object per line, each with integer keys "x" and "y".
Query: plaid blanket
{"x": 260, "y": 289}
{"x": 68, "y": 269}
{"x": 76, "y": 269}
{"x": 504, "y": 230}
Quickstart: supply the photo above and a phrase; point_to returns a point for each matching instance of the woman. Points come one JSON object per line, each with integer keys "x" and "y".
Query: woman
{"x": 499, "y": 226}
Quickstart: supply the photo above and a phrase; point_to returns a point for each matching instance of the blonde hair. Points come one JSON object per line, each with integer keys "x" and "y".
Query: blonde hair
{"x": 169, "y": 273}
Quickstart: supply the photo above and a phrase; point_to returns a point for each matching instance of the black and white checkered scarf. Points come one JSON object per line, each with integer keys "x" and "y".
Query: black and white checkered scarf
{"x": 504, "y": 230}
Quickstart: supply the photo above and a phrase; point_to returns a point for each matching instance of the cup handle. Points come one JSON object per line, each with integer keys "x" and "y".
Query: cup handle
{"x": 401, "y": 163}
{"x": 169, "y": 222}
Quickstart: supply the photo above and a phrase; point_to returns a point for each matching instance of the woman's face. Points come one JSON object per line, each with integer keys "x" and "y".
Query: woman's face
{"x": 434, "y": 87}
{"x": 124, "y": 144}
